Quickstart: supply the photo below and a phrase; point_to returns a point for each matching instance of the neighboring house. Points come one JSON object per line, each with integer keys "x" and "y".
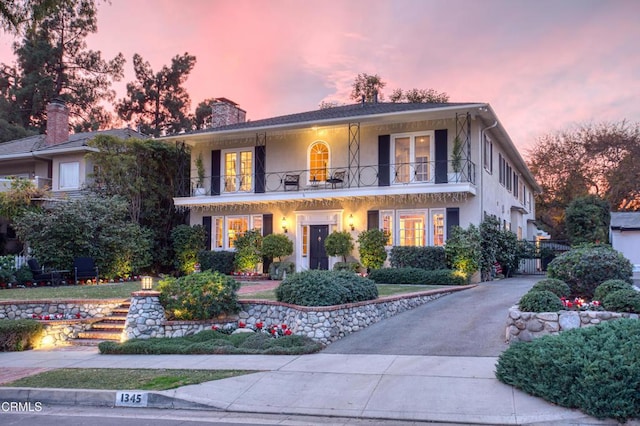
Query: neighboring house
{"x": 55, "y": 161}
{"x": 625, "y": 237}
{"x": 389, "y": 166}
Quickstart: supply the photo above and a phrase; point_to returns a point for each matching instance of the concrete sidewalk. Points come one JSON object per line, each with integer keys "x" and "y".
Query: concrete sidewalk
{"x": 412, "y": 388}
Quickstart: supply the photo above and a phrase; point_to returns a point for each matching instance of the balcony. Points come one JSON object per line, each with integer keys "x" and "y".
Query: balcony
{"x": 393, "y": 179}
{"x": 38, "y": 182}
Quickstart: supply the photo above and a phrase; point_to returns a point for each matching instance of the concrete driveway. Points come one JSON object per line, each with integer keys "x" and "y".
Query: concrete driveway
{"x": 465, "y": 323}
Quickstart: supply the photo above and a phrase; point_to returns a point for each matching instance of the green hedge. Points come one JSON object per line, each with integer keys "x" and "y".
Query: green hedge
{"x": 325, "y": 288}
{"x": 221, "y": 261}
{"x": 586, "y": 267}
{"x": 595, "y": 369}
{"x": 626, "y": 300}
{"x": 540, "y": 301}
{"x": 608, "y": 287}
{"x": 429, "y": 258}
{"x": 199, "y": 296}
{"x": 557, "y": 287}
{"x": 19, "y": 335}
{"x": 416, "y": 276}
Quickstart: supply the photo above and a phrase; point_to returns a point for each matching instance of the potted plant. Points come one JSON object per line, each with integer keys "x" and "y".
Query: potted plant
{"x": 199, "y": 191}
{"x": 456, "y": 160}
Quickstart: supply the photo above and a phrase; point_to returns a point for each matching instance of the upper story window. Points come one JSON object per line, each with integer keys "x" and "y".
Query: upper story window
{"x": 238, "y": 170}
{"x": 318, "y": 161}
{"x": 69, "y": 175}
{"x": 412, "y": 153}
{"x": 488, "y": 154}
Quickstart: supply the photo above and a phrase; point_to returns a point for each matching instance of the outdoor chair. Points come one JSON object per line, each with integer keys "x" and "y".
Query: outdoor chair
{"x": 292, "y": 181}
{"x": 337, "y": 178}
{"x": 41, "y": 274}
{"x": 85, "y": 268}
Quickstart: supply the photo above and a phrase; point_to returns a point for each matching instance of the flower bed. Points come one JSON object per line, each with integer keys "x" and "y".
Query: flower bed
{"x": 526, "y": 326}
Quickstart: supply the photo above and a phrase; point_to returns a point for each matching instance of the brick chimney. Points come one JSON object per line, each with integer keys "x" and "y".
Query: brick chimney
{"x": 225, "y": 112}
{"x": 57, "y": 123}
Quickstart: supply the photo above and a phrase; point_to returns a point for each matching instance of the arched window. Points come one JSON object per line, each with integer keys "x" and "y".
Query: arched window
{"x": 318, "y": 161}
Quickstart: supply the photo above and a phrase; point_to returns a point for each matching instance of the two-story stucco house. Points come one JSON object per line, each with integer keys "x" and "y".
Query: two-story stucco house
{"x": 55, "y": 161}
{"x": 389, "y": 166}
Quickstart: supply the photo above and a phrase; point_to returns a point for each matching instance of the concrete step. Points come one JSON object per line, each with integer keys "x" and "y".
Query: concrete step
{"x": 97, "y": 334}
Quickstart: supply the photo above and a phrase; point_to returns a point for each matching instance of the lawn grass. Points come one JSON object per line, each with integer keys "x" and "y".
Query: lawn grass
{"x": 122, "y": 378}
{"x": 124, "y": 290}
{"x": 383, "y": 290}
{"x": 100, "y": 291}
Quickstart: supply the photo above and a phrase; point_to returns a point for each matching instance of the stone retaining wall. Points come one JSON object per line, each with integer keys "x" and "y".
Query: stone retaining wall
{"x": 59, "y": 332}
{"x": 323, "y": 324}
{"x": 69, "y": 309}
{"x": 526, "y": 326}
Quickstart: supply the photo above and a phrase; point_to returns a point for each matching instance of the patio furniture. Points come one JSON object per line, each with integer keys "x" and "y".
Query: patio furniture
{"x": 85, "y": 268}
{"x": 291, "y": 181}
{"x": 337, "y": 178}
{"x": 41, "y": 274}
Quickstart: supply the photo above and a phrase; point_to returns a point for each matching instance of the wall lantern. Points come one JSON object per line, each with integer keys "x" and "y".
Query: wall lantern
{"x": 351, "y": 222}
{"x": 147, "y": 283}
{"x": 284, "y": 225}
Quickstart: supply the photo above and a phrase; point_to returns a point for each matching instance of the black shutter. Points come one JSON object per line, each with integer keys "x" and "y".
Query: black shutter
{"x": 215, "y": 172}
{"x": 441, "y": 156}
{"x": 453, "y": 219}
{"x": 206, "y": 223}
{"x": 267, "y": 229}
{"x": 384, "y": 153}
{"x": 260, "y": 169}
{"x": 373, "y": 219}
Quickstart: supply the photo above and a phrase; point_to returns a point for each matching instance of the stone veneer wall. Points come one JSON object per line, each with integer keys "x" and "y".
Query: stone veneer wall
{"x": 95, "y": 308}
{"x": 526, "y": 326}
{"x": 323, "y": 324}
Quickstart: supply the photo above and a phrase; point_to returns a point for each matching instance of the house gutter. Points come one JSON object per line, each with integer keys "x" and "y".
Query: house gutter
{"x": 483, "y": 132}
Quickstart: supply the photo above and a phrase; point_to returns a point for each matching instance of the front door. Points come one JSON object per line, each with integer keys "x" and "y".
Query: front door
{"x": 317, "y": 255}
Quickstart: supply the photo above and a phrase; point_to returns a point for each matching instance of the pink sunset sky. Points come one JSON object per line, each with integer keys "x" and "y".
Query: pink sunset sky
{"x": 543, "y": 65}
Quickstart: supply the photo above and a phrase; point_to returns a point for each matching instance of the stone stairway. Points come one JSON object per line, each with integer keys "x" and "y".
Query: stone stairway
{"x": 108, "y": 328}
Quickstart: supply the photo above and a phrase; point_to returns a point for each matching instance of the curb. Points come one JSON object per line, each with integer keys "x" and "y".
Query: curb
{"x": 95, "y": 398}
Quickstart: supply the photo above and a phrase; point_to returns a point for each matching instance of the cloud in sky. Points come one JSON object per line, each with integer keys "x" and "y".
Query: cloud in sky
{"x": 543, "y": 65}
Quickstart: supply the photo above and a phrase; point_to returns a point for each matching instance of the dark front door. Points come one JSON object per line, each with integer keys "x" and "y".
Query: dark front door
{"x": 317, "y": 256}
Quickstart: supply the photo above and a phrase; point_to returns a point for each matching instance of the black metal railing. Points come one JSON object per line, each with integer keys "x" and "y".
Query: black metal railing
{"x": 414, "y": 173}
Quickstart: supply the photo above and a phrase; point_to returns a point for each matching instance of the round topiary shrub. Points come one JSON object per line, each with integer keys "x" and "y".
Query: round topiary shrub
{"x": 555, "y": 286}
{"x": 325, "y": 288}
{"x": 540, "y": 301}
{"x": 586, "y": 267}
{"x": 200, "y": 296}
{"x": 622, "y": 301}
{"x": 608, "y": 287}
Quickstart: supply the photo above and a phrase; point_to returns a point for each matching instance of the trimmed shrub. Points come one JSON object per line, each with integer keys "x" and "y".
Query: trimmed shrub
{"x": 221, "y": 261}
{"x": 584, "y": 268}
{"x": 428, "y": 258}
{"x": 278, "y": 269}
{"x": 187, "y": 242}
{"x": 248, "y": 251}
{"x": 339, "y": 244}
{"x": 416, "y": 276}
{"x": 540, "y": 301}
{"x": 627, "y": 300}
{"x": 555, "y": 286}
{"x": 371, "y": 245}
{"x": 594, "y": 369}
{"x": 19, "y": 335}
{"x": 200, "y": 296}
{"x": 608, "y": 287}
{"x": 325, "y": 288}
{"x": 276, "y": 246}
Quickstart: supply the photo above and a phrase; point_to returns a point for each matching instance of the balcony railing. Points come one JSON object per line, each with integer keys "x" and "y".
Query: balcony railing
{"x": 38, "y": 182}
{"x": 416, "y": 173}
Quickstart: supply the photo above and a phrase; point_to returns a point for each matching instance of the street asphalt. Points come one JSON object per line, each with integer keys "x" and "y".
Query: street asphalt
{"x": 435, "y": 363}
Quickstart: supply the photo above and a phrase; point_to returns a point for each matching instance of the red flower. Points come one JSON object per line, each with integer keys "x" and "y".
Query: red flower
{"x": 273, "y": 331}
{"x": 47, "y": 317}
{"x": 241, "y": 324}
{"x": 283, "y": 326}
{"x": 34, "y": 316}
{"x": 287, "y": 332}
{"x": 78, "y": 315}
{"x": 259, "y": 325}
{"x": 215, "y": 327}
